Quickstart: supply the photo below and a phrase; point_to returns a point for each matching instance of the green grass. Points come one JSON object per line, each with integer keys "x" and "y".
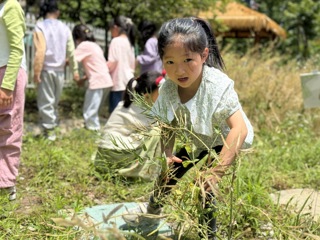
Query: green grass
{"x": 58, "y": 179}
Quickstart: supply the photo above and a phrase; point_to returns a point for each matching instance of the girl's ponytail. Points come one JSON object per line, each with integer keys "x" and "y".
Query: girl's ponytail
{"x": 126, "y": 26}
{"x": 129, "y": 92}
{"x": 83, "y": 33}
{"x": 214, "y": 58}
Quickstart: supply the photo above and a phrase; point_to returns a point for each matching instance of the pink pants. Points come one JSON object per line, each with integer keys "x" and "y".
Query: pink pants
{"x": 11, "y": 129}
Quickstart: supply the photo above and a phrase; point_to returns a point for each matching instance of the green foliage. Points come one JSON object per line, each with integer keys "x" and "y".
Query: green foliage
{"x": 300, "y": 18}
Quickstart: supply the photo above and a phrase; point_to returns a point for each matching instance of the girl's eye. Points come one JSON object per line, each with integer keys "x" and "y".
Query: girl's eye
{"x": 188, "y": 60}
{"x": 169, "y": 62}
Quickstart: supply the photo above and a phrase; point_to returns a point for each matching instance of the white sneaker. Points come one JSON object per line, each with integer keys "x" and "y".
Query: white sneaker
{"x": 12, "y": 193}
{"x": 50, "y": 134}
{"x": 142, "y": 216}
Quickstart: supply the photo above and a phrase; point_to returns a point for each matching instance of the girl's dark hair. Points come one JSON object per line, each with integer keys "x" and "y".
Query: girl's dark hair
{"x": 196, "y": 35}
{"x": 47, "y": 6}
{"x": 83, "y": 33}
{"x": 146, "y": 83}
{"x": 126, "y": 26}
{"x": 147, "y": 29}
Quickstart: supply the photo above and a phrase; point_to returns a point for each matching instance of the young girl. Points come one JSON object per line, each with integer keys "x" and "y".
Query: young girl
{"x": 13, "y": 80}
{"x": 199, "y": 96}
{"x": 121, "y": 147}
{"x": 121, "y": 59}
{"x": 149, "y": 60}
{"x": 91, "y": 56}
{"x": 53, "y": 42}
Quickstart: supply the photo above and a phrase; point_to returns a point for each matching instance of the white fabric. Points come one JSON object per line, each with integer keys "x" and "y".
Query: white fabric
{"x": 206, "y": 113}
{"x": 56, "y": 34}
{"x": 124, "y": 127}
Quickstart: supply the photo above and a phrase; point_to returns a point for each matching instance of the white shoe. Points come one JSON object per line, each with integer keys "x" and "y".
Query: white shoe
{"x": 12, "y": 193}
{"x": 50, "y": 134}
{"x": 142, "y": 216}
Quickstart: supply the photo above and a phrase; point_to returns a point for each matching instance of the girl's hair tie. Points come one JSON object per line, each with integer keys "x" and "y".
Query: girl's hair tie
{"x": 128, "y": 21}
{"x": 160, "y": 80}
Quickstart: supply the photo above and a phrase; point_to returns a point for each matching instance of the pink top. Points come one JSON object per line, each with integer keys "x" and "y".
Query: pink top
{"x": 122, "y": 53}
{"x": 91, "y": 56}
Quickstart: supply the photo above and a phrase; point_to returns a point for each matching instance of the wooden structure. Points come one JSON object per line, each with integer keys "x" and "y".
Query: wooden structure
{"x": 243, "y": 22}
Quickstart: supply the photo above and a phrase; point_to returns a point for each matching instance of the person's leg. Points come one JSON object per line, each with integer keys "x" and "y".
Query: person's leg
{"x": 48, "y": 96}
{"x": 59, "y": 83}
{"x": 11, "y": 130}
{"x": 105, "y": 103}
{"x": 163, "y": 186}
{"x": 166, "y": 183}
{"x": 91, "y": 106}
{"x": 115, "y": 98}
{"x": 208, "y": 218}
{"x": 168, "y": 179}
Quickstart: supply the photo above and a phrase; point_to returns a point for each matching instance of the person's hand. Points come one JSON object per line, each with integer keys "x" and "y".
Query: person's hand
{"x": 76, "y": 76}
{"x": 6, "y": 98}
{"x": 172, "y": 159}
{"x": 212, "y": 176}
{"x": 209, "y": 180}
{"x": 80, "y": 82}
{"x": 36, "y": 79}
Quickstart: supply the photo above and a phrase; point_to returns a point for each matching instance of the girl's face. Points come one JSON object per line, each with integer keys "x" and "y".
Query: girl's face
{"x": 183, "y": 66}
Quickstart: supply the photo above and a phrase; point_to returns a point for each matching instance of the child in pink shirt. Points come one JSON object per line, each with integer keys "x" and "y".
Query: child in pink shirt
{"x": 91, "y": 56}
{"x": 121, "y": 58}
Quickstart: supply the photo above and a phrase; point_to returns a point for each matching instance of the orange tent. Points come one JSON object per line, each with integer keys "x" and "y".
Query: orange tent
{"x": 244, "y": 22}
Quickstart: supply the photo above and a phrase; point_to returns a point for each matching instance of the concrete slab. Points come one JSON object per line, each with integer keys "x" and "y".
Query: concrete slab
{"x": 306, "y": 199}
{"x": 113, "y": 213}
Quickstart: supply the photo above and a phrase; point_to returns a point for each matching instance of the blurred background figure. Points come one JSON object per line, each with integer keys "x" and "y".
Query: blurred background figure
{"x": 129, "y": 144}
{"x": 90, "y": 54}
{"x": 13, "y": 80}
{"x": 53, "y": 41}
{"x": 121, "y": 58}
{"x": 149, "y": 60}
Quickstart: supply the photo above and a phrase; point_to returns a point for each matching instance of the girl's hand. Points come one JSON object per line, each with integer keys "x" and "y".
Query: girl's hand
{"x": 171, "y": 159}
{"x": 212, "y": 176}
{"x": 36, "y": 79}
{"x": 76, "y": 76}
{"x": 209, "y": 181}
{"x": 6, "y": 98}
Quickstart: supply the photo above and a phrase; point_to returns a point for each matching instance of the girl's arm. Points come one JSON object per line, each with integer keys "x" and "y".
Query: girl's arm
{"x": 40, "y": 49}
{"x": 111, "y": 65}
{"x": 231, "y": 147}
{"x": 233, "y": 142}
{"x": 72, "y": 60}
{"x": 167, "y": 144}
{"x": 13, "y": 20}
